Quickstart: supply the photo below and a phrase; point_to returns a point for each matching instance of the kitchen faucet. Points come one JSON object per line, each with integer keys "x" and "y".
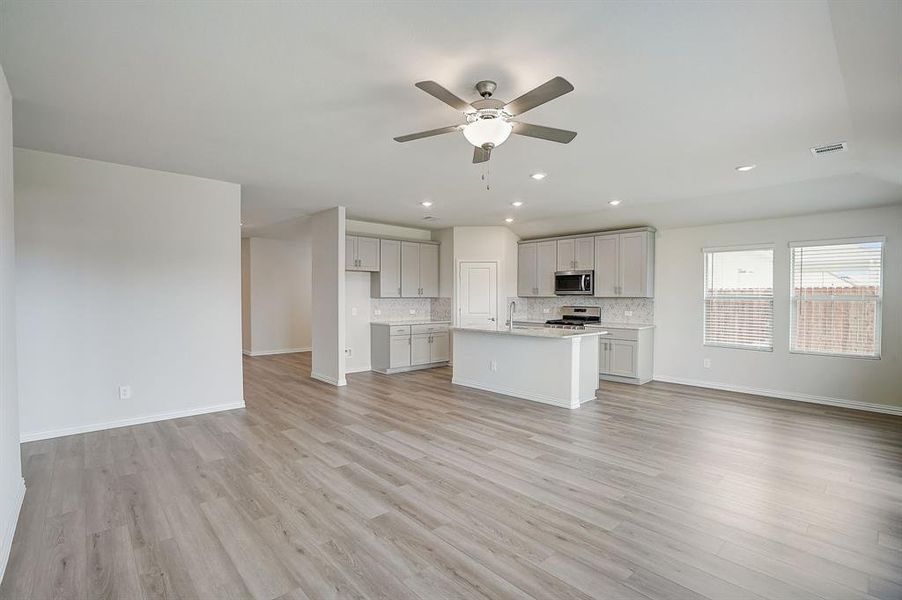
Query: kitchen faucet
{"x": 510, "y": 315}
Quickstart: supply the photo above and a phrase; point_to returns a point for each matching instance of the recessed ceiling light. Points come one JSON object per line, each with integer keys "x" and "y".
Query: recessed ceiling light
{"x": 517, "y": 203}
{"x": 426, "y": 203}
{"x": 539, "y": 176}
{"x": 744, "y": 168}
{"x": 614, "y": 202}
{"x": 509, "y": 220}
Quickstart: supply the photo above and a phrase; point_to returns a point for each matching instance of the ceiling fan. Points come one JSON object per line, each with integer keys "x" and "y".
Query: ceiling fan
{"x": 489, "y": 121}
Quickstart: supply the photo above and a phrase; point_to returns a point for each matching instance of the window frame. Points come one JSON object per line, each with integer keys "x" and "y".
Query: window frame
{"x": 878, "y": 326}
{"x": 740, "y": 248}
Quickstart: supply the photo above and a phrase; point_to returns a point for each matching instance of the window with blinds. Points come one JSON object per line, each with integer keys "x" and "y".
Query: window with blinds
{"x": 739, "y": 297}
{"x": 837, "y": 289}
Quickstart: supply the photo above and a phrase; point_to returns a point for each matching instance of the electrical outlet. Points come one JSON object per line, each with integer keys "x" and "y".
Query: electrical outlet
{"x": 706, "y": 363}
{"x": 353, "y": 311}
{"x": 125, "y": 392}
{"x": 377, "y": 312}
{"x": 412, "y": 311}
{"x": 546, "y": 310}
{"x": 627, "y": 313}
{"x": 493, "y": 366}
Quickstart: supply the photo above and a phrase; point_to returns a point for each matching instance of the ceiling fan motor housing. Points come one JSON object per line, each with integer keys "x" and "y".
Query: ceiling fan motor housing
{"x": 486, "y": 88}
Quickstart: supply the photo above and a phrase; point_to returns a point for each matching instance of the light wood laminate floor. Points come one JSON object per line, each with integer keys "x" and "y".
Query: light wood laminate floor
{"x": 405, "y": 486}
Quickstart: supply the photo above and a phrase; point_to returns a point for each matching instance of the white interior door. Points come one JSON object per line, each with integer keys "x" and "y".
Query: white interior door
{"x": 477, "y": 295}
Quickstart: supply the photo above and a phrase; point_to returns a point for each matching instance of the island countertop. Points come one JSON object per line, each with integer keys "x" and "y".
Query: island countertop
{"x": 537, "y": 332}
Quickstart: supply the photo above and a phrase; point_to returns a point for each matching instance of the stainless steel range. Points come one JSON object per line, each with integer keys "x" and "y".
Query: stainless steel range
{"x": 576, "y": 317}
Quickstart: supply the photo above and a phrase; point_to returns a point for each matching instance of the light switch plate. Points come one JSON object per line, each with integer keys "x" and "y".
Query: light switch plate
{"x": 353, "y": 311}
{"x": 627, "y": 313}
{"x": 377, "y": 312}
{"x": 706, "y": 363}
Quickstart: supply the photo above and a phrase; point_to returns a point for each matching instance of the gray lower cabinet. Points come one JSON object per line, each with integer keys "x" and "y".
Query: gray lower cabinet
{"x": 398, "y": 348}
{"x": 626, "y": 355}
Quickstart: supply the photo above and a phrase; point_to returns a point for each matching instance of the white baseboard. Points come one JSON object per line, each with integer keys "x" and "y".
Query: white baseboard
{"x": 783, "y": 395}
{"x": 517, "y": 393}
{"x": 52, "y": 433}
{"x": 279, "y": 351}
{"x": 329, "y": 380}
{"x": 359, "y": 369}
{"x": 9, "y": 530}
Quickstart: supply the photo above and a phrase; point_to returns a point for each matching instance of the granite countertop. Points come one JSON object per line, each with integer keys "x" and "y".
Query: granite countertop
{"x": 412, "y": 322}
{"x": 537, "y": 332}
{"x": 607, "y": 325}
{"x": 622, "y": 326}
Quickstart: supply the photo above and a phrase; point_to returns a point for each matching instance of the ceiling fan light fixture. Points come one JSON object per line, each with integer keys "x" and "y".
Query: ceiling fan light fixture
{"x": 488, "y": 131}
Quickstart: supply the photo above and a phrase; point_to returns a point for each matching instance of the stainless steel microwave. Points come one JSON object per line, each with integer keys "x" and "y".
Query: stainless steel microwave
{"x": 574, "y": 283}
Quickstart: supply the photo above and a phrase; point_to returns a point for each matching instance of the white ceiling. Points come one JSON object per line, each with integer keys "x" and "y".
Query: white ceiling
{"x": 299, "y": 102}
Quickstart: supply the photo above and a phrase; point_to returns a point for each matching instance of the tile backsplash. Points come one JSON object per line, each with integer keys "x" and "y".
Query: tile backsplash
{"x": 612, "y": 309}
{"x": 441, "y": 309}
{"x": 527, "y": 309}
{"x": 398, "y": 309}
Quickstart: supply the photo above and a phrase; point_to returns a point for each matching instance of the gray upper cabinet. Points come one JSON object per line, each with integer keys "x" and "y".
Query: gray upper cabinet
{"x": 526, "y": 270}
{"x": 419, "y": 270}
{"x": 536, "y": 264}
{"x": 410, "y": 270}
{"x": 361, "y": 253}
{"x": 576, "y": 254}
{"x": 624, "y": 264}
{"x": 387, "y": 284}
{"x": 429, "y": 270}
{"x": 546, "y": 257}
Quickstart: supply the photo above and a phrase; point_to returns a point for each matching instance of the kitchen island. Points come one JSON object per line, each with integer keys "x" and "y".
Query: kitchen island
{"x": 552, "y": 366}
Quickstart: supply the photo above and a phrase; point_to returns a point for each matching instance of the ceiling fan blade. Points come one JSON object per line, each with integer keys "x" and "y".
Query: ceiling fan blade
{"x": 549, "y": 90}
{"x": 481, "y": 155}
{"x": 424, "y": 134}
{"x": 434, "y": 89}
{"x": 562, "y": 136}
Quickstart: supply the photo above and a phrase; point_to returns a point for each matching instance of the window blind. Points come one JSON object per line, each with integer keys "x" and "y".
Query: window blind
{"x": 836, "y": 297}
{"x": 739, "y": 298}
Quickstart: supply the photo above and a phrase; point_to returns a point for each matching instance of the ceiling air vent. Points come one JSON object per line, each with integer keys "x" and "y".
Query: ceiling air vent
{"x": 430, "y": 218}
{"x": 830, "y": 148}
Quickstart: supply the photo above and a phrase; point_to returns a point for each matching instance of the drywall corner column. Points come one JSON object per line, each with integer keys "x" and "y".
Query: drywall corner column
{"x": 12, "y": 487}
{"x": 329, "y": 324}
{"x": 246, "y": 345}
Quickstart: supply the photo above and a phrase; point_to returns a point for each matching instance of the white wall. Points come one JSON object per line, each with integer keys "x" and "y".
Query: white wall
{"x": 126, "y": 276}
{"x": 382, "y": 229}
{"x": 246, "y": 295}
{"x": 493, "y": 243}
{"x": 329, "y": 325}
{"x": 12, "y": 487}
{"x": 278, "y": 281}
{"x": 357, "y": 315}
{"x": 679, "y": 352}
{"x": 445, "y": 237}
